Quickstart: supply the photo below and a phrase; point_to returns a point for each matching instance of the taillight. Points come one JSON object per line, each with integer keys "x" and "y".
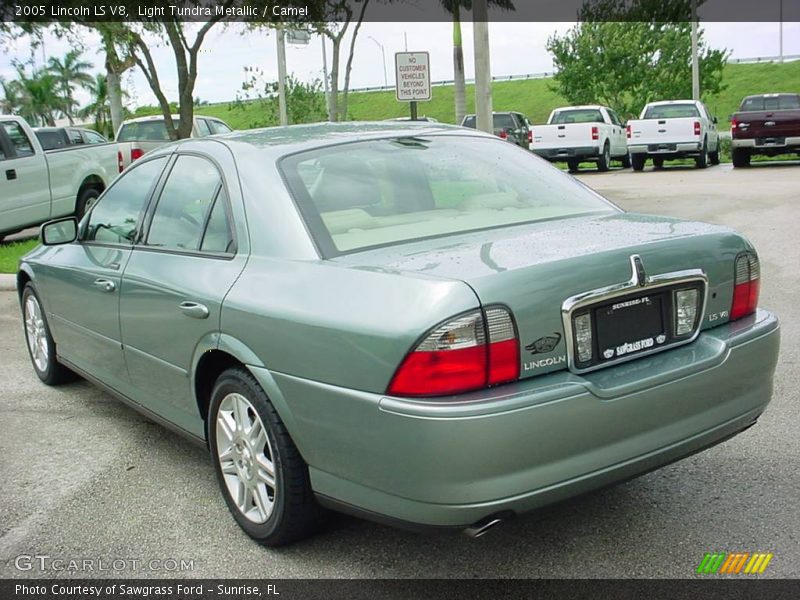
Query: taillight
{"x": 697, "y": 128}
{"x": 628, "y": 131}
{"x": 503, "y": 134}
{"x": 120, "y": 162}
{"x": 530, "y": 136}
{"x": 734, "y": 125}
{"x": 466, "y": 353}
{"x": 136, "y": 153}
{"x": 746, "y": 284}
{"x": 595, "y": 133}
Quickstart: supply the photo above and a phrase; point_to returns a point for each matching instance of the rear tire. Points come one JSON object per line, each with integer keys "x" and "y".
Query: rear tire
{"x": 702, "y": 160}
{"x": 740, "y": 157}
{"x": 572, "y": 165}
{"x": 637, "y": 161}
{"x": 254, "y": 456}
{"x": 86, "y": 200}
{"x": 604, "y": 162}
{"x": 41, "y": 347}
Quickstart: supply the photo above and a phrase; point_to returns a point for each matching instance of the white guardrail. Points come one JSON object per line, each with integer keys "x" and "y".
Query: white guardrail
{"x": 544, "y": 74}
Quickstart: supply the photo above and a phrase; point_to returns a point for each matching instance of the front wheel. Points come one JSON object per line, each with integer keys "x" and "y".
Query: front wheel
{"x": 658, "y": 163}
{"x": 702, "y": 160}
{"x": 626, "y": 161}
{"x": 604, "y": 162}
{"x": 41, "y": 347}
{"x": 714, "y": 157}
{"x": 637, "y": 161}
{"x": 263, "y": 478}
{"x": 572, "y": 165}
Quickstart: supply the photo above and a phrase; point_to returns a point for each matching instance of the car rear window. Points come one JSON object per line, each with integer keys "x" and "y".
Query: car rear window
{"x": 149, "y": 131}
{"x": 583, "y": 115}
{"x": 500, "y": 121}
{"x": 780, "y": 102}
{"x": 366, "y": 194}
{"x": 50, "y": 140}
{"x": 671, "y": 111}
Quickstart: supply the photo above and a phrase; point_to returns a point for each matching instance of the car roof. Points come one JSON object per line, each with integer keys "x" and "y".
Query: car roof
{"x": 282, "y": 141}
{"x": 665, "y": 102}
{"x": 581, "y": 107}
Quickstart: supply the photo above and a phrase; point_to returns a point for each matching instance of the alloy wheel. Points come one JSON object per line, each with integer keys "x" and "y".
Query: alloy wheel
{"x": 246, "y": 458}
{"x": 36, "y": 333}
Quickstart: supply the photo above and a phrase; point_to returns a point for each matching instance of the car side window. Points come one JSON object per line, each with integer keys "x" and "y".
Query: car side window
{"x": 218, "y": 127}
{"x": 217, "y": 236}
{"x": 75, "y": 136}
{"x": 93, "y": 138}
{"x": 184, "y": 205}
{"x": 115, "y": 218}
{"x": 19, "y": 141}
{"x": 202, "y": 128}
{"x": 614, "y": 118}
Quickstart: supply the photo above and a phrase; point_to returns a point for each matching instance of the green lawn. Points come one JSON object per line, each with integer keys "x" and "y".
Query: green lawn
{"x": 533, "y": 97}
{"x": 11, "y": 252}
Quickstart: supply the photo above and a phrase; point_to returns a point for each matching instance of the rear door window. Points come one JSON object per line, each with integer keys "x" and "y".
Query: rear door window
{"x": 93, "y": 137}
{"x": 588, "y": 115}
{"x": 202, "y": 128}
{"x": 218, "y": 127}
{"x": 50, "y": 140}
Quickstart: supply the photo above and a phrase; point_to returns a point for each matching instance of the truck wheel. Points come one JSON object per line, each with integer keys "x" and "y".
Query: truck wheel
{"x": 714, "y": 157}
{"x": 658, "y": 163}
{"x": 637, "y": 161}
{"x": 626, "y": 161}
{"x": 604, "y": 162}
{"x": 702, "y": 160}
{"x": 740, "y": 157}
{"x": 572, "y": 164}
{"x": 86, "y": 200}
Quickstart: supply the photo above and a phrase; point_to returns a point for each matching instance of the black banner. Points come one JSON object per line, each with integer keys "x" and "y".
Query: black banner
{"x": 316, "y": 11}
{"x": 376, "y": 589}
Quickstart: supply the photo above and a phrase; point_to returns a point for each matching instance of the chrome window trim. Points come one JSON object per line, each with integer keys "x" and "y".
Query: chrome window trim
{"x": 634, "y": 284}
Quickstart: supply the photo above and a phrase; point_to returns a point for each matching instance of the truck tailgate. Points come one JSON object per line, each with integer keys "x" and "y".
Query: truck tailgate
{"x": 662, "y": 131}
{"x": 766, "y": 124}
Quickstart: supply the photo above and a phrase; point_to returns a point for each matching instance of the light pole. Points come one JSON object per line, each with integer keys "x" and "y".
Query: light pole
{"x": 780, "y": 32}
{"x": 483, "y": 72}
{"x": 695, "y": 59}
{"x": 383, "y": 54}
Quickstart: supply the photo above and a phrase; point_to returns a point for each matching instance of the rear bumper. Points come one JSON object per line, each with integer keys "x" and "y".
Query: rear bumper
{"x": 788, "y": 143}
{"x": 564, "y": 154}
{"x": 525, "y": 445}
{"x": 675, "y": 150}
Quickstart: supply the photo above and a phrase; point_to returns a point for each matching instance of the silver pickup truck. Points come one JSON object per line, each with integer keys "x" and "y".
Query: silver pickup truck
{"x": 36, "y": 186}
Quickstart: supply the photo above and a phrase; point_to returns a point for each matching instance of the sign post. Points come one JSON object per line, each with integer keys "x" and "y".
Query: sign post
{"x": 412, "y": 79}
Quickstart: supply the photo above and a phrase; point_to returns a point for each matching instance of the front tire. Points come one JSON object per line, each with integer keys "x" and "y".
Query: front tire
{"x": 658, "y": 163}
{"x": 714, "y": 157}
{"x": 626, "y": 161}
{"x": 41, "y": 347}
{"x": 261, "y": 474}
{"x": 702, "y": 160}
{"x": 637, "y": 161}
{"x": 572, "y": 165}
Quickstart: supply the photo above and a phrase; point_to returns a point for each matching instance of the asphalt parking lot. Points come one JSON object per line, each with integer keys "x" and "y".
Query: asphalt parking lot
{"x": 85, "y": 477}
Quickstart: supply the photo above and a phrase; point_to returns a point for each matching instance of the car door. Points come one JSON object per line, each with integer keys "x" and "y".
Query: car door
{"x": 175, "y": 282}
{"x": 81, "y": 281}
{"x": 619, "y": 142}
{"x": 24, "y": 188}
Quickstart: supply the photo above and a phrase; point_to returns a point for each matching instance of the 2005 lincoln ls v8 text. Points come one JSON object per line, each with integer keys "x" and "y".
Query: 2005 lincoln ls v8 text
{"x": 415, "y": 323}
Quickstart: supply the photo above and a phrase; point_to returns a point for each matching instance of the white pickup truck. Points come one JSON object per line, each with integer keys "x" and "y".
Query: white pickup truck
{"x": 137, "y": 137}
{"x": 671, "y": 130}
{"x": 36, "y": 186}
{"x": 576, "y": 134}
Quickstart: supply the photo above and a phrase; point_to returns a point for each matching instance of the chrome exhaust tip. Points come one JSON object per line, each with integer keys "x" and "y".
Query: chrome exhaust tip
{"x": 482, "y": 526}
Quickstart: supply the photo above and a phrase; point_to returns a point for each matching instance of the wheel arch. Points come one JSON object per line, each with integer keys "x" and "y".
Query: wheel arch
{"x": 24, "y": 275}
{"x": 90, "y": 182}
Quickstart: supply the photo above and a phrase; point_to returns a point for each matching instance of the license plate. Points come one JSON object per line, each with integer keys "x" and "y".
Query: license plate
{"x": 629, "y": 326}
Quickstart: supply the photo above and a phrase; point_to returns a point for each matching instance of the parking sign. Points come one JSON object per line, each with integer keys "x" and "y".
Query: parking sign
{"x": 413, "y": 77}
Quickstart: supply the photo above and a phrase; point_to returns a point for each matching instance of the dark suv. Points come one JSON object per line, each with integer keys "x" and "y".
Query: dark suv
{"x": 511, "y": 126}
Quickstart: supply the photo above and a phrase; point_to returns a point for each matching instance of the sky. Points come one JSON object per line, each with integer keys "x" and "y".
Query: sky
{"x": 515, "y": 48}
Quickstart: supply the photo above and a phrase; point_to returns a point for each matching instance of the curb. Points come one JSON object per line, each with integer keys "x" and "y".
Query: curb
{"x": 8, "y": 283}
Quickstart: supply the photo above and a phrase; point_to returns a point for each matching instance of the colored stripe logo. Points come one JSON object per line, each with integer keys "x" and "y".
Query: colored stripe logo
{"x": 734, "y": 563}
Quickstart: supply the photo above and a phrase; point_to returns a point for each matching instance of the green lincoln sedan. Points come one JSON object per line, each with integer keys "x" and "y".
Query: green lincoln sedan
{"x": 411, "y": 322}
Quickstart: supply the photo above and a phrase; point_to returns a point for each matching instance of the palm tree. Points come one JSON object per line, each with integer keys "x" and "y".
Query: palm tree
{"x": 68, "y": 72}
{"x": 100, "y": 106}
{"x": 454, "y": 8}
{"x": 36, "y": 96}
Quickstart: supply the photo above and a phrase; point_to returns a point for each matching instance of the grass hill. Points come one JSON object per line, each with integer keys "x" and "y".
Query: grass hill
{"x": 533, "y": 97}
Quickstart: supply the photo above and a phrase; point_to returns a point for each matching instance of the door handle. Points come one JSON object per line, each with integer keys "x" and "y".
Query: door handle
{"x": 11, "y": 174}
{"x": 105, "y": 284}
{"x": 193, "y": 309}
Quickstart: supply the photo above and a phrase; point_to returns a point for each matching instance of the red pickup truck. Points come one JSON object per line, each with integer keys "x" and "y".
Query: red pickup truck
{"x": 767, "y": 124}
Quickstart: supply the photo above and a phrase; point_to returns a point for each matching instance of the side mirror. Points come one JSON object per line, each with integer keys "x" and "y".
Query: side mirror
{"x": 60, "y": 231}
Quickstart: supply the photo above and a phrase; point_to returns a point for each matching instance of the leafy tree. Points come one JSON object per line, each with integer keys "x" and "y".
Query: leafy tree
{"x": 69, "y": 72}
{"x": 35, "y": 97}
{"x": 626, "y": 64}
{"x": 305, "y": 102}
{"x": 100, "y": 106}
